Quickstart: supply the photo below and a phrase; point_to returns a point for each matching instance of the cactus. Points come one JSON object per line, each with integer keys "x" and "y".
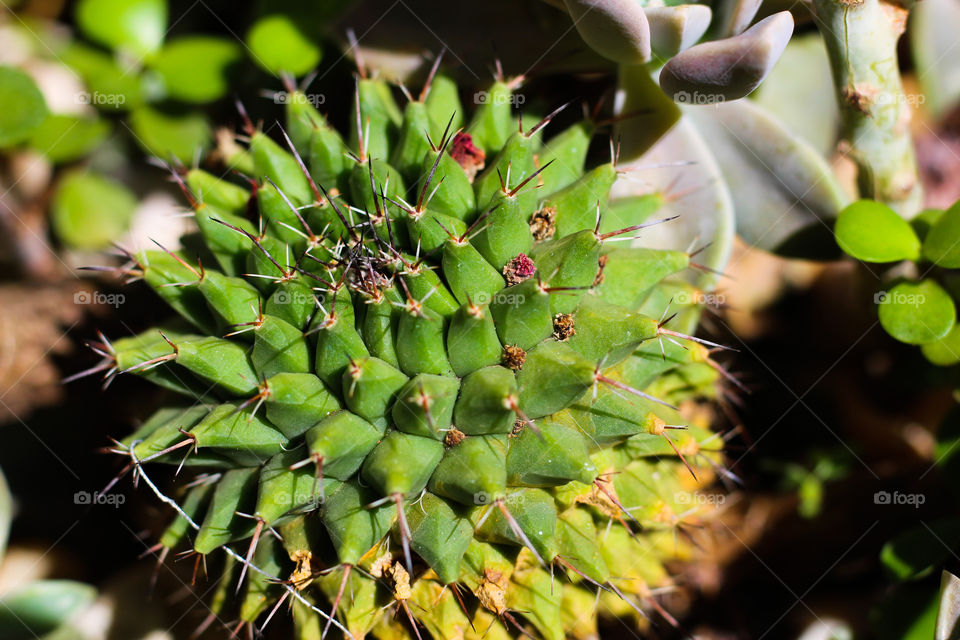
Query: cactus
{"x": 424, "y": 372}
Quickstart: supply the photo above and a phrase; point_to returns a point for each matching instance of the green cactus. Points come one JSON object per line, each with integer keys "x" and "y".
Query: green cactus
{"x": 425, "y": 374}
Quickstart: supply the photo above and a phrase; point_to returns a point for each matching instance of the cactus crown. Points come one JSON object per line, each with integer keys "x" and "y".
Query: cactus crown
{"x": 422, "y": 361}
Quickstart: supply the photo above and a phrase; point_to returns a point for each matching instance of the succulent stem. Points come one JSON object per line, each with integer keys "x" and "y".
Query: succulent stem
{"x": 861, "y": 38}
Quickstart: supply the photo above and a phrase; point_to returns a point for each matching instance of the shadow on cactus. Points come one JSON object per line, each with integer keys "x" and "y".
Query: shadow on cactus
{"x": 429, "y": 383}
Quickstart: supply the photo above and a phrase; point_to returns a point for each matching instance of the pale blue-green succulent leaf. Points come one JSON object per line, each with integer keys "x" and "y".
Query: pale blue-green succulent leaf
{"x": 675, "y": 28}
{"x": 780, "y": 185}
{"x": 652, "y": 113}
{"x": 729, "y": 68}
{"x": 733, "y": 17}
{"x": 948, "y": 618}
{"x": 616, "y": 29}
{"x": 681, "y": 163}
{"x": 799, "y": 92}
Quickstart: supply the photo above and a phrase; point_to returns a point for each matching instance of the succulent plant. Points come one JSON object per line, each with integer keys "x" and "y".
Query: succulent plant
{"x": 424, "y": 374}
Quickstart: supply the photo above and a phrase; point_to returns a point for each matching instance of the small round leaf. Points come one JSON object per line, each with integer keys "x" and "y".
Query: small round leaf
{"x": 917, "y": 551}
{"x": 195, "y": 69}
{"x": 165, "y": 135}
{"x": 873, "y": 232}
{"x": 924, "y": 221}
{"x": 137, "y": 26}
{"x": 63, "y": 138}
{"x": 110, "y": 87}
{"x": 90, "y": 211}
{"x": 942, "y": 245}
{"x": 945, "y": 351}
{"x": 917, "y": 312}
{"x": 278, "y": 44}
{"x": 22, "y": 107}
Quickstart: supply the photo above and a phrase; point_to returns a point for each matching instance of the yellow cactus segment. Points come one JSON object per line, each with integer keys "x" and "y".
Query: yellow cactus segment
{"x": 578, "y": 611}
{"x": 438, "y": 610}
{"x": 362, "y": 602}
{"x": 533, "y": 591}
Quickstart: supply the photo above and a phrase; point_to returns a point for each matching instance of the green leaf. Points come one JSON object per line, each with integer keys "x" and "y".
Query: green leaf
{"x": 945, "y": 351}
{"x": 917, "y": 551}
{"x": 90, "y": 211}
{"x": 799, "y": 92}
{"x": 165, "y": 135}
{"x": 22, "y": 107}
{"x": 917, "y": 312}
{"x": 63, "y": 138}
{"x": 40, "y": 607}
{"x": 873, "y": 232}
{"x": 195, "y": 69}
{"x": 136, "y": 26}
{"x": 924, "y": 221}
{"x": 109, "y": 86}
{"x": 278, "y": 44}
{"x": 942, "y": 245}
{"x": 908, "y": 613}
